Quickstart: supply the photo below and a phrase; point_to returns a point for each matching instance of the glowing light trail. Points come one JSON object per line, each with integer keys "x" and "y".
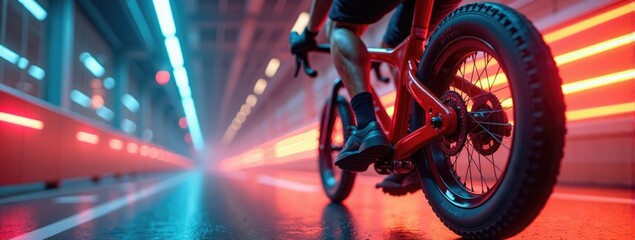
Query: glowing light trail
{"x": 21, "y": 121}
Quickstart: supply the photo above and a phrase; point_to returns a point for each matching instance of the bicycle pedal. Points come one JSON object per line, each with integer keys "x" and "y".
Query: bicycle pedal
{"x": 383, "y": 167}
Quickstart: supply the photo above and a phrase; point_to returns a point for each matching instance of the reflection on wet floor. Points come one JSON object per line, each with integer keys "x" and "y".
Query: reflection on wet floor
{"x": 290, "y": 205}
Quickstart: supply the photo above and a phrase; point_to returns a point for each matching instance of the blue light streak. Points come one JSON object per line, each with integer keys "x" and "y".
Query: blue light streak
{"x": 23, "y": 63}
{"x": 182, "y": 82}
{"x": 11, "y": 56}
{"x": 130, "y": 102}
{"x": 34, "y": 8}
{"x": 8, "y": 55}
{"x": 36, "y": 72}
{"x": 180, "y": 77}
{"x": 193, "y": 125}
{"x": 105, "y": 113}
{"x": 164, "y": 14}
{"x": 128, "y": 126}
{"x": 80, "y": 98}
{"x": 175, "y": 54}
{"x": 92, "y": 64}
{"x": 109, "y": 83}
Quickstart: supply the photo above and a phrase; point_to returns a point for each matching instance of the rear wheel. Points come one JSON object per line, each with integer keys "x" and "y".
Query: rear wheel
{"x": 336, "y": 182}
{"x": 492, "y": 176}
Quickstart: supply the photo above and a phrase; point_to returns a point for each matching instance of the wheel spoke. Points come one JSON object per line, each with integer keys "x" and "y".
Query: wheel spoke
{"x": 480, "y": 172}
{"x": 471, "y": 160}
{"x": 493, "y": 163}
{"x": 494, "y": 82}
{"x": 492, "y": 111}
{"x": 482, "y": 83}
{"x": 455, "y": 160}
{"x": 496, "y": 124}
{"x": 496, "y": 136}
{"x": 487, "y": 93}
{"x": 494, "y": 168}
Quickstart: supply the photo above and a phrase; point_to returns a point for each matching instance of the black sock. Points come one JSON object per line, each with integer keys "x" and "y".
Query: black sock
{"x": 364, "y": 110}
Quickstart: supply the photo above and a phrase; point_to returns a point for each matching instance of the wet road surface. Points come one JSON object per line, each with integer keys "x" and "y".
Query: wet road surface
{"x": 277, "y": 204}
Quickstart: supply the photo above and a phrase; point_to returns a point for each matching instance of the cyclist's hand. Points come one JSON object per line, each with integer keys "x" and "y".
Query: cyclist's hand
{"x": 301, "y": 44}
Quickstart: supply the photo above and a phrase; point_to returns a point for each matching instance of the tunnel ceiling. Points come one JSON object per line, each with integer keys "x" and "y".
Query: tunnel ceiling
{"x": 229, "y": 44}
{"x": 226, "y": 45}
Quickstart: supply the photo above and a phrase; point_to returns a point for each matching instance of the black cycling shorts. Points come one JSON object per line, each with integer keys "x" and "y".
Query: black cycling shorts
{"x": 401, "y": 20}
{"x": 361, "y": 11}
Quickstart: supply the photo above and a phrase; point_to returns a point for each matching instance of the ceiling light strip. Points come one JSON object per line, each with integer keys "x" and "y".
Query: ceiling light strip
{"x": 34, "y": 8}
{"x": 175, "y": 55}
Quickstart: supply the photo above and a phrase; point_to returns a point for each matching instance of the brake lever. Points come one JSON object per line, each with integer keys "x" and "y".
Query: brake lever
{"x": 307, "y": 68}
{"x": 302, "y": 60}
{"x": 298, "y": 62}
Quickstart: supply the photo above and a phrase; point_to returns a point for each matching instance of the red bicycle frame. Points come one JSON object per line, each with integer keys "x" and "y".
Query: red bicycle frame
{"x": 405, "y": 57}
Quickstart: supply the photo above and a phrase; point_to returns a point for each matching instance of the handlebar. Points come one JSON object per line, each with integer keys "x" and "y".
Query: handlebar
{"x": 302, "y": 60}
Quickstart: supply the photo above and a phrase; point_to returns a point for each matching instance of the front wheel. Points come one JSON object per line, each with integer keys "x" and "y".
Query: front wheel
{"x": 336, "y": 182}
{"x": 492, "y": 176}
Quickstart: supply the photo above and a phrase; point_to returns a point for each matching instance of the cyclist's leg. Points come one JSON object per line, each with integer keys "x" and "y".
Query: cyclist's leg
{"x": 350, "y": 56}
{"x": 349, "y": 19}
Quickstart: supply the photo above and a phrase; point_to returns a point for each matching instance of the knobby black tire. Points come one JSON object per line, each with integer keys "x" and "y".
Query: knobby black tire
{"x": 343, "y": 185}
{"x": 540, "y": 129}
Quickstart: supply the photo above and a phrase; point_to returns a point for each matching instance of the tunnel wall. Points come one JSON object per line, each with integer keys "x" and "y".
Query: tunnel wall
{"x": 40, "y": 143}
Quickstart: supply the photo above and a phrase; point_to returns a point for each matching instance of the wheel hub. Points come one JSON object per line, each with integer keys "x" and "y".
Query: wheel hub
{"x": 451, "y": 144}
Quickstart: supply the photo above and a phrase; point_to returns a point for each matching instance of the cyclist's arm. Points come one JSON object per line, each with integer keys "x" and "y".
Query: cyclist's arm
{"x": 319, "y": 11}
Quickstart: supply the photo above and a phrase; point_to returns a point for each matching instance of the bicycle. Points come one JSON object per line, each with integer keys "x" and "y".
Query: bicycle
{"x": 454, "y": 123}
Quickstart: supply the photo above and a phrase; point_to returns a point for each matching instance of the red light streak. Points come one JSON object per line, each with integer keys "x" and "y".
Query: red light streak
{"x": 115, "y": 144}
{"x": 153, "y": 153}
{"x": 595, "y": 49}
{"x": 602, "y": 111}
{"x": 253, "y": 156}
{"x": 588, "y": 84}
{"x": 162, "y": 155}
{"x": 144, "y": 151}
{"x": 21, "y": 121}
{"x": 87, "y": 137}
{"x": 589, "y": 23}
{"x": 132, "y": 148}
{"x": 303, "y": 142}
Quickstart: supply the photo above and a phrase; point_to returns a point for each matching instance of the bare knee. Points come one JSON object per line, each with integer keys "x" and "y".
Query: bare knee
{"x": 346, "y": 43}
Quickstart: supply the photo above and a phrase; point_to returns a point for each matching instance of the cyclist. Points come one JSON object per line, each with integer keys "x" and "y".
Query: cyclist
{"x": 348, "y": 19}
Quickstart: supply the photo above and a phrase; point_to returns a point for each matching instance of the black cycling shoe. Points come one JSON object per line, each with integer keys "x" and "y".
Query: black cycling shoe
{"x": 364, "y": 147}
{"x": 397, "y": 184}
